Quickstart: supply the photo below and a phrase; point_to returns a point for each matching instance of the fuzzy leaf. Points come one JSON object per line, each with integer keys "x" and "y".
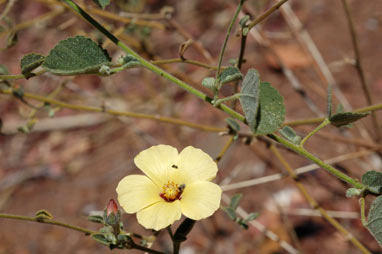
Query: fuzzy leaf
{"x": 289, "y": 134}
{"x": 271, "y": 110}
{"x": 341, "y": 119}
{"x": 374, "y": 223}
{"x": 30, "y": 62}
{"x": 230, "y": 74}
{"x": 78, "y": 55}
{"x": 230, "y": 212}
{"x": 102, "y": 3}
{"x": 251, "y": 217}
{"x": 209, "y": 83}
{"x": 232, "y": 124}
{"x": 249, "y": 98}
{"x": 373, "y": 181}
{"x": 235, "y": 200}
{"x": 351, "y": 192}
{"x": 96, "y": 219}
{"x": 101, "y": 238}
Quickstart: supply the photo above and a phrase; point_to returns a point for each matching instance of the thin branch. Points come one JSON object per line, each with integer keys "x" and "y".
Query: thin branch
{"x": 118, "y": 113}
{"x": 46, "y": 221}
{"x": 360, "y": 71}
{"x": 313, "y": 203}
{"x": 260, "y": 227}
{"x": 275, "y": 177}
{"x": 267, "y": 13}
{"x": 228, "y": 33}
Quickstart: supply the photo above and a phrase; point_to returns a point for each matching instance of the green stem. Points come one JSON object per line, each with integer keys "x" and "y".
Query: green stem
{"x": 227, "y": 36}
{"x": 148, "y": 65}
{"x": 322, "y": 125}
{"x": 362, "y": 207}
{"x": 52, "y": 222}
{"x": 217, "y": 102}
{"x": 300, "y": 150}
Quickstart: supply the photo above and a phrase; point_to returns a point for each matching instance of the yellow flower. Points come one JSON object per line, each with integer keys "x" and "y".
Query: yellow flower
{"x": 175, "y": 184}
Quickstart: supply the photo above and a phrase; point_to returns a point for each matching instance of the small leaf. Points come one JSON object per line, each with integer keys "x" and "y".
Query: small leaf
{"x": 243, "y": 21}
{"x": 374, "y": 223}
{"x": 373, "y": 181}
{"x": 78, "y": 55}
{"x": 235, "y": 200}
{"x": 43, "y": 215}
{"x": 251, "y": 217}
{"x": 341, "y": 119}
{"x": 30, "y": 62}
{"x": 230, "y": 212}
{"x": 249, "y": 98}
{"x": 96, "y": 219}
{"x": 271, "y": 110}
{"x": 209, "y": 83}
{"x": 351, "y": 192}
{"x": 235, "y": 126}
{"x": 230, "y": 74}
{"x": 290, "y": 134}
{"x": 101, "y": 239}
{"x": 12, "y": 39}
{"x": 102, "y": 3}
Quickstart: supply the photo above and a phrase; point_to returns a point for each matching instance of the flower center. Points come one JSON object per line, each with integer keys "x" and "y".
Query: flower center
{"x": 172, "y": 191}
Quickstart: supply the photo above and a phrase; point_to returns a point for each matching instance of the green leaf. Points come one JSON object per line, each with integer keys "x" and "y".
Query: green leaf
{"x": 341, "y": 119}
{"x": 373, "y": 181}
{"x": 209, "y": 83}
{"x": 251, "y": 217}
{"x": 96, "y": 219}
{"x": 249, "y": 98}
{"x": 230, "y": 212}
{"x": 101, "y": 238}
{"x": 78, "y": 55}
{"x": 289, "y": 134}
{"x": 30, "y": 62}
{"x": 235, "y": 200}
{"x": 271, "y": 110}
{"x": 374, "y": 223}
{"x": 235, "y": 126}
{"x": 43, "y": 215}
{"x": 102, "y": 3}
{"x": 351, "y": 192}
{"x": 229, "y": 74}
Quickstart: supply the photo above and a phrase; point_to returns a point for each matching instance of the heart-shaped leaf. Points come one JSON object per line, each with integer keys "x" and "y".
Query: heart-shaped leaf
{"x": 78, "y": 55}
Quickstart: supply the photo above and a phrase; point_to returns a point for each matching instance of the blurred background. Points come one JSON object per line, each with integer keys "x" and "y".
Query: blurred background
{"x": 71, "y": 161}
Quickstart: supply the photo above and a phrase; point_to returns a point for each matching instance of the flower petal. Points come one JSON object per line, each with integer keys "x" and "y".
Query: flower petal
{"x": 200, "y": 200}
{"x": 159, "y": 215}
{"x": 156, "y": 161}
{"x": 196, "y": 164}
{"x": 136, "y": 192}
